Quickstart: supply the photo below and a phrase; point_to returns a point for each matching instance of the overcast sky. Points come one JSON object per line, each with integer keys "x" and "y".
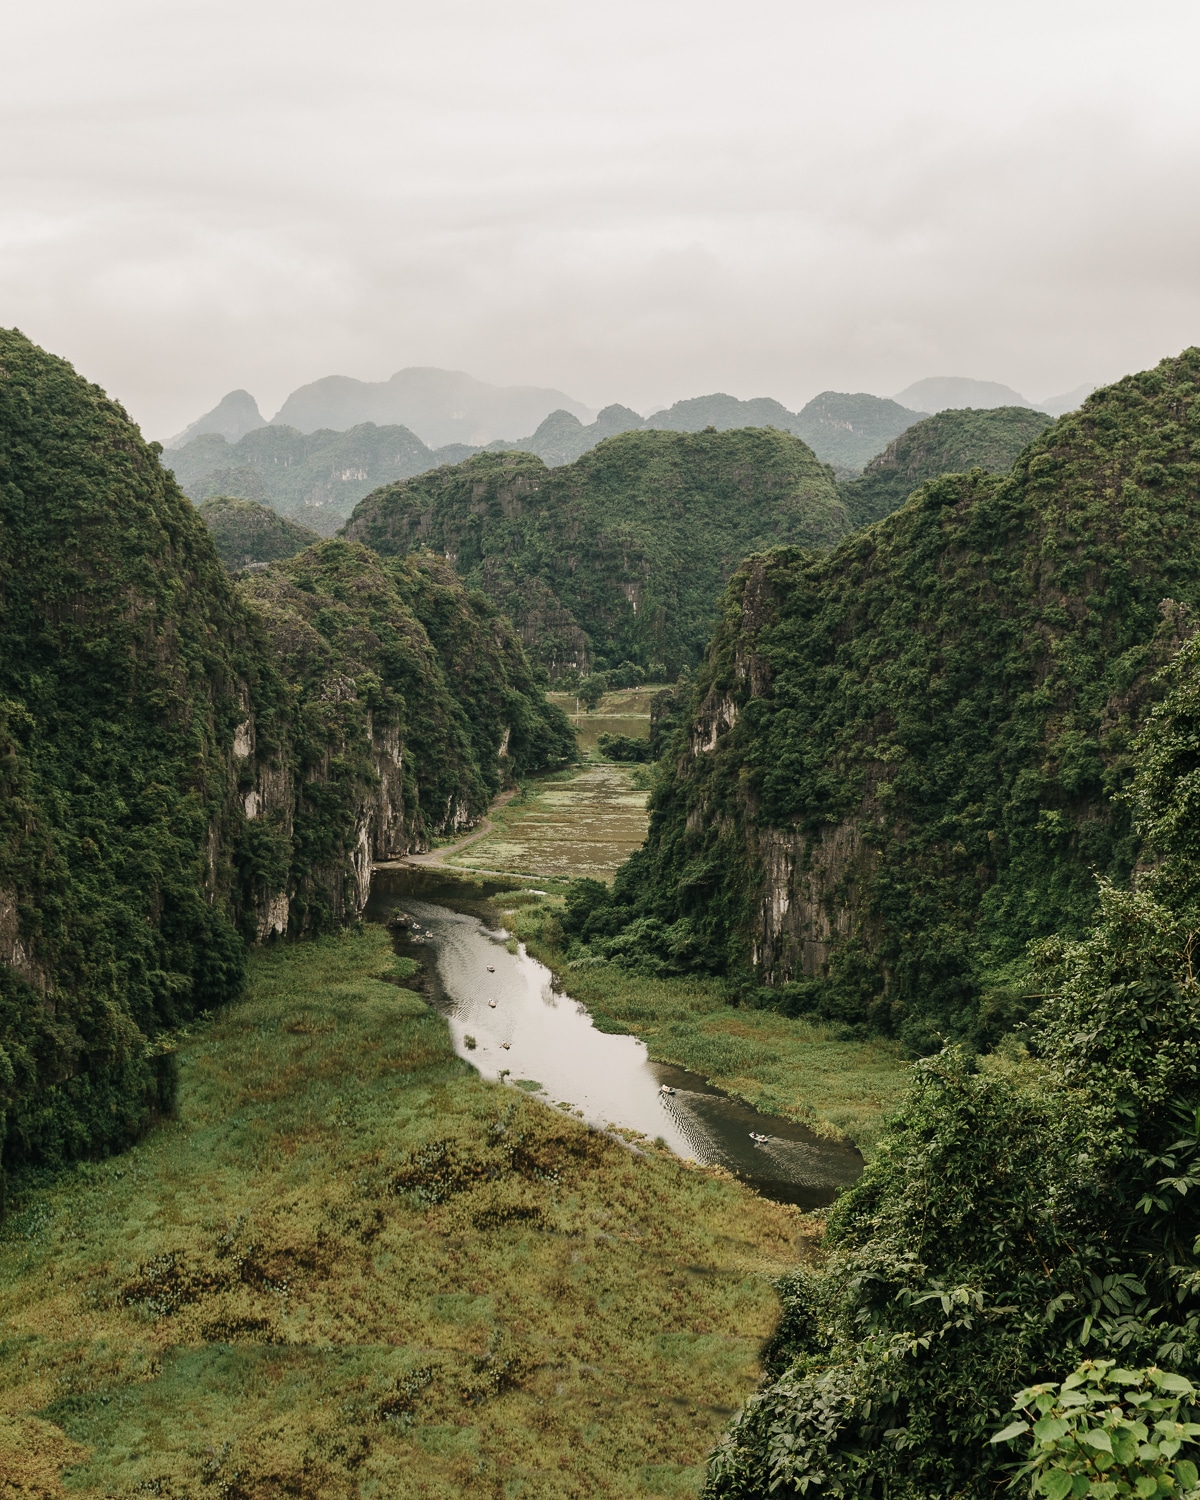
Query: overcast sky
{"x": 634, "y": 200}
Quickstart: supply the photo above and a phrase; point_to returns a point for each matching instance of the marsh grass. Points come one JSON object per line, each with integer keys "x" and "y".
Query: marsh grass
{"x": 352, "y": 1268}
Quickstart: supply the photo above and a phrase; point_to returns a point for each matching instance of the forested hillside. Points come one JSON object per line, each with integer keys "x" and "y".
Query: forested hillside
{"x": 905, "y": 757}
{"x": 620, "y": 556}
{"x": 245, "y": 532}
{"x": 314, "y": 478}
{"x": 185, "y": 766}
{"x": 953, "y": 442}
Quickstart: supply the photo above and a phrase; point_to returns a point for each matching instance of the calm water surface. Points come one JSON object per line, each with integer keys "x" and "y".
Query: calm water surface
{"x": 541, "y": 1039}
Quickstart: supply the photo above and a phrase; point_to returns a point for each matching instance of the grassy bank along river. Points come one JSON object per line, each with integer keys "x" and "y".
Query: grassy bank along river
{"x": 353, "y": 1268}
{"x": 586, "y": 821}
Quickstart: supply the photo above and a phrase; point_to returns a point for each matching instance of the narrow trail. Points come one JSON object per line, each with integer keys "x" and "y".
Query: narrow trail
{"x": 439, "y": 856}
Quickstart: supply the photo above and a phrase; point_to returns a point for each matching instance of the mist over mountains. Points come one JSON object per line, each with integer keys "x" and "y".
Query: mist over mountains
{"x": 336, "y": 439}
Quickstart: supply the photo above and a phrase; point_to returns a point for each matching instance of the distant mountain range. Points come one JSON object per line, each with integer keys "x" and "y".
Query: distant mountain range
{"x": 957, "y": 393}
{"x": 440, "y": 406}
{"x": 335, "y": 440}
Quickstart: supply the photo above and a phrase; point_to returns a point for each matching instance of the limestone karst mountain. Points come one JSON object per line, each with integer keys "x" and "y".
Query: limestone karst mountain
{"x": 620, "y": 556}
{"x": 904, "y": 757}
{"x": 952, "y": 442}
{"x": 187, "y": 765}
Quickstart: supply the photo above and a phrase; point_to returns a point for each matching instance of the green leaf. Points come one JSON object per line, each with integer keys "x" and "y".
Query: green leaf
{"x": 1169, "y": 1381}
{"x": 1096, "y": 1437}
{"x": 1185, "y": 1472}
{"x": 1056, "y": 1484}
{"x": 1050, "y": 1429}
{"x": 1126, "y": 1377}
{"x": 1146, "y": 1486}
{"x": 1014, "y": 1429}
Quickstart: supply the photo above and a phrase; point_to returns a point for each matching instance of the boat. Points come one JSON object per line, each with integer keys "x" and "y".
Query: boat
{"x": 491, "y": 968}
{"x": 665, "y": 1088}
{"x": 759, "y": 1140}
{"x": 506, "y": 1045}
{"x": 492, "y": 1003}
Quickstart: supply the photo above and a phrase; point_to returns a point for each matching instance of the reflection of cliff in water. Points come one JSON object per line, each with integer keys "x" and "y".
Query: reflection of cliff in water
{"x": 540, "y": 1038}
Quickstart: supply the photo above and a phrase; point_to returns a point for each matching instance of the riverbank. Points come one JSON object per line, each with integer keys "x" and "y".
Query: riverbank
{"x": 353, "y": 1267}
{"x": 804, "y": 1070}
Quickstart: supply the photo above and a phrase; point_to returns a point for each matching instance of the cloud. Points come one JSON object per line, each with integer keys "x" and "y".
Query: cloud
{"x": 631, "y": 202}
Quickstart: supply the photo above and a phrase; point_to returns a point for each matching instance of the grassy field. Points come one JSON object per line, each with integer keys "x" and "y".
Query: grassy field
{"x": 351, "y": 1268}
{"x": 584, "y": 821}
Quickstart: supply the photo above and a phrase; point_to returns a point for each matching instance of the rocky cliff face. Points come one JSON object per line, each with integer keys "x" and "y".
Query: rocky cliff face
{"x": 905, "y": 757}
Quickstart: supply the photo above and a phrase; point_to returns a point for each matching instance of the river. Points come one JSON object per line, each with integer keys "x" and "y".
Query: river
{"x": 511, "y": 1020}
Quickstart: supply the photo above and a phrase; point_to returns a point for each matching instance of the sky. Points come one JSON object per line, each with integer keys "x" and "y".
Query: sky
{"x": 632, "y": 202}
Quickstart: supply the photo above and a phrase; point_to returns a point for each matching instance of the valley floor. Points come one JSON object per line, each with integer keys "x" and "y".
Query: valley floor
{"x": 352, "y": 1268}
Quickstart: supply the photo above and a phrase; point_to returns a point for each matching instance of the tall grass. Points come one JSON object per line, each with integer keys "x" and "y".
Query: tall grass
{"x": 352, "y": 1268}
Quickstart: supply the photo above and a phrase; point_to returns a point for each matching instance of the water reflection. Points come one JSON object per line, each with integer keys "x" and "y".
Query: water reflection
{"x": 548, "y": 1044}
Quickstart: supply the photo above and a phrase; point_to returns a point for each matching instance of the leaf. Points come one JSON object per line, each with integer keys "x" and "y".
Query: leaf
{"x": 1127, "y": 1377}
{"x": 1169, "y": 1381}
{"x": 1050, "y": 1429}
{"x": 1185, "y": 1472}
{"x": 1013, "y": 1430}
{"x": 1096, "y": 1437}
{"x": 1146, "y": 1486}
{"x": 1056, "y": 1484}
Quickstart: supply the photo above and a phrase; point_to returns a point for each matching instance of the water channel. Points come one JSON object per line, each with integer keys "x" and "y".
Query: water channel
{"x": 510, "y": 1019}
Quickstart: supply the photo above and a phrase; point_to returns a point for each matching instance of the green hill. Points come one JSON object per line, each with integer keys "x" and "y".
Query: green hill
{"x": 245, "y": 532}
{"x": 621, "y": 555}
{"x": 314, "y": 478}
{"x": 904, "y": 756}
{"x": 186, "y": 766}
{"x": 950, "y": 443}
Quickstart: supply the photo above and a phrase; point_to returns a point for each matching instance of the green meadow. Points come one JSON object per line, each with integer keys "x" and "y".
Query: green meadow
{"x": 352, "y": 1268}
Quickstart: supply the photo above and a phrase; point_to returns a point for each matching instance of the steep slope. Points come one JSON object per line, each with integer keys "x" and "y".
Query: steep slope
{"x": 903, "y": 756}
{"x": 621, "y": 555}
{"x": 125, "y": 665}
{"x": 413, "y": 705}
{"x": 949, "y": 443}
{"x": 232, "y": 418}
{"x": 244, "y": 532}
{"x": 315, "y": 478}
{"x": 186, "y": 766}
{"x": 848, "y": 430}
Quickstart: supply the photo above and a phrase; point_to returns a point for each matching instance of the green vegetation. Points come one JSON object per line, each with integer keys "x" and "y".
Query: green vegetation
{"x": 350, "y": 1267}
{"x": 621, "y": 556}
{"x": 244, "y": 532}
{"x": 1107, "y": 1430}
{"x": 905, "y": 757}
{"x": 1026, "y": 1211}
{"x": 185, "y": 765}
{"x": 950, "y": 443}
{"x": 125, "y": 660}
{"x": 312, "y": 477}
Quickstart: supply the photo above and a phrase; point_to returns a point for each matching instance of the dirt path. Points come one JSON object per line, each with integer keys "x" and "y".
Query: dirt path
{"x": 439, "y": 856}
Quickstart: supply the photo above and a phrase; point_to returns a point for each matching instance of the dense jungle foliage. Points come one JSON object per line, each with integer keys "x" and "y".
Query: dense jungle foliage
{"x": 950, "y": 443}
{"x": 906, "y": 756}
{"x": 413, "y": 704}
{"x": 1026, "y": 1212}
{"x": 245, "y": 532}
{"x": 185, "y": 764}
{"x": 124, "y": 658}
{"x": 622, "y": 555}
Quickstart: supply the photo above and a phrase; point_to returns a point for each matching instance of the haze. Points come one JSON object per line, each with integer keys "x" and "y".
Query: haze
{"x": 631, "y": 202}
